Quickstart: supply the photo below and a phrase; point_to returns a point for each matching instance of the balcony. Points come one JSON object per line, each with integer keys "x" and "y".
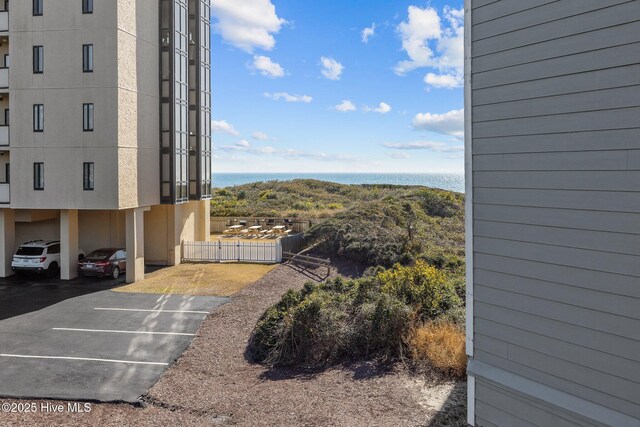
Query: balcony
{"x": 4, "y": 21}
{"x": 4, "y": 193}
{"x": 4, "y": 136}
{"x": 4, "y": 78}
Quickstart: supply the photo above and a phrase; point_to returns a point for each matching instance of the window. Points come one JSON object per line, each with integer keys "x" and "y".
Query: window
{"x": 37, "y": 7}
{"x": 6, "y": 117}
{"x": 88, "y": 176}
{"x": 87, "y": 6}
{"x": 87, "y": 58}
{"x": 38, "y": 176}
{"x": 87, "y": 117}
{"x": 53, "y": 249}
{"x": 7, "y": 173}
{"x": 38, "y": 59}
{"x": 38, "y": 118}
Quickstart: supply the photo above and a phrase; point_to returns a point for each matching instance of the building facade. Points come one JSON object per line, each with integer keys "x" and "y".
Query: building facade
{"x": 553, "y": 219}
{"x": 108, "y": 143}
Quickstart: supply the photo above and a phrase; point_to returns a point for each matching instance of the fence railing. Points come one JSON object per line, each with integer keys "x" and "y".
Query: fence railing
{"x": 307, "y": 260}
{"x": 258, "y": 252}
{"x": 293, "y": 244}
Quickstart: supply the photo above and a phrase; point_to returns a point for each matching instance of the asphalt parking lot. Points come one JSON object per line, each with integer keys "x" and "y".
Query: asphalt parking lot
{"x": 79, "y": 340}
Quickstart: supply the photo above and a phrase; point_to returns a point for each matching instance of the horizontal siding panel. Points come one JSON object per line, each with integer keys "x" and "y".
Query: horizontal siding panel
{"x": 623, "y": 139}
{"x": 575, "y": 83}
{"x": 483, "y": 422}
{"x": 625, "y": 118}
{"x": 614, "y": 201}
{"x": 561, "y": 161}
{"x": 496, "y": 10}
{"x": 579, "y": 258}
{"x": 619, "y": 243}
{"x": 584, "y": 337}
{"x": 480, "y": 3}
{"x": 566, "y": 313}
{"x": 618, "y": 284}
{"x": 560, "y": 104}
{"x": 560, "y": 180}
{"x": 554, "y": 373}
{"x": 603, "y": 362}
{"x": 499, "y": 416}
{"x": 569, "y": 45}
{"x": 554, "y": 12}
{"x": 598, "y": 300}
{"x": 511, "y": 402}
{"x": 579, "y": 375}
{"x": 616, "y": 222}
{"x": 596, "y": 20}
{"x": 578, "y": 63}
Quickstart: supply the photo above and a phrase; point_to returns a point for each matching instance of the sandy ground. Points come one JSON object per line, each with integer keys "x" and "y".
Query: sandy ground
{"x": 220, "y": 280}
{"x": 213, "y": 383}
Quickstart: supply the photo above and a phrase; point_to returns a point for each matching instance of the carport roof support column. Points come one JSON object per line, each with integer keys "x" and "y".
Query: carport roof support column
{"x": 7, "y": 240}
{"x": 69, "y": 244}
{"x": 135, "y": 244}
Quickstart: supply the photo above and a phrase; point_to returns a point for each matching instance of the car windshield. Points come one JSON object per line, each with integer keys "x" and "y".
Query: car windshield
{"x": 99, "y": 255}
{"x": 29, "y": 251}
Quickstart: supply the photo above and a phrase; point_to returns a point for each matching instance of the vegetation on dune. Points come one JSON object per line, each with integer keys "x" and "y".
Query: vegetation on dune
{"x": 372, "y": 317}
{"x": 410, "y": 303}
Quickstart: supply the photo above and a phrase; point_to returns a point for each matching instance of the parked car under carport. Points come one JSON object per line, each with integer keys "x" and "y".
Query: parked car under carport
{"x": 105, "y": 262}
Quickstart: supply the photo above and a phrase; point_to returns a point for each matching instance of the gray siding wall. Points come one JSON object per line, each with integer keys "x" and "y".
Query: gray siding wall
{"x": 556, "y": 210}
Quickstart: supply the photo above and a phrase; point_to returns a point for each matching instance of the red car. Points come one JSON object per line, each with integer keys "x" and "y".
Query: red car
{"x": 106, "y": 262}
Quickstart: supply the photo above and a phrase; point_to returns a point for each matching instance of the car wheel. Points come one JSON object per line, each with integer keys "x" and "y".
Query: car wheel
{"x": 115, "y": 273}
{"x": 53, "y": 269}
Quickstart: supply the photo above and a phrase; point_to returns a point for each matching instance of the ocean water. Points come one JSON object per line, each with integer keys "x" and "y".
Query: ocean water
{"x": 453, "y": 182}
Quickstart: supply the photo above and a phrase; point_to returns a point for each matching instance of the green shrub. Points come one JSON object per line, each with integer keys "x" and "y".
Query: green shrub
{"x": 340, "y": 320}
{"x": 328, "y": 323}
{"x": 421, "y": 286}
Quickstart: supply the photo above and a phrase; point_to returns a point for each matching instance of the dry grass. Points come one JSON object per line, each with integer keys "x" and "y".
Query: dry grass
{"x": 200, "y": 279}
{"x": 440, "y": 345}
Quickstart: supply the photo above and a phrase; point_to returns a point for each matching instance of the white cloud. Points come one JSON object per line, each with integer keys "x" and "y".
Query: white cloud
{"x": 400, "y": 155}
{"x": 383, "y": 108}
{"x": 345, "y": 106}
{"x": 242, "y": 145}
{"x": 368, "y": 32}
{"x": 331, "y": 68}
{"x": 247, "y": 24}
{"x": 289, "y": 98}
{"x": 296, "y": 155}
{"x": 439, "y": 147}
{"x": 447, "y": 81}
{"x": 264, "y": 150}
{"x": 434, "y": 41}
{"x": 450, "y": 123}
{"x": 260, "y": 136}
{"x": 267, "y": 67}
{"x": 224, "y": 126}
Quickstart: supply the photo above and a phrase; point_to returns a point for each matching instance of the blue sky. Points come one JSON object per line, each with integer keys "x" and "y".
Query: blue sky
{"x": 337, "y": 86}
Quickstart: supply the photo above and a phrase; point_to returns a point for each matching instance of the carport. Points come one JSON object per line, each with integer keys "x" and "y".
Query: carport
{"x": 77, "y": 340}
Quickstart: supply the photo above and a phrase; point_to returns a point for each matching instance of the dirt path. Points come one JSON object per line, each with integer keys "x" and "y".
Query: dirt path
{"x": 213, "y": 384}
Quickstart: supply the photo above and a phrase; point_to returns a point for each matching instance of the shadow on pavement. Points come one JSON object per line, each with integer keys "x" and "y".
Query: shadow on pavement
{"x": 27, "y": 293}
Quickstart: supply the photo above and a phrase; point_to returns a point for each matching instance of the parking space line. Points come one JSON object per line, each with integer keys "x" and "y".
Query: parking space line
{"x": 89, "y": 359}
{"x": 123, "y": 332}
{"x": 152, "y": 311}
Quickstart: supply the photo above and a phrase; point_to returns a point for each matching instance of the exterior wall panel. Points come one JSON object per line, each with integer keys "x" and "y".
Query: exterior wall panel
{"x": 555, "y": 138}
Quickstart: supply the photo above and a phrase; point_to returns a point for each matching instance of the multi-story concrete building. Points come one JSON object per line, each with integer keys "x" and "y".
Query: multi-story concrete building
{"x": 109, "y": 140}
{"x": 553, "y": 231}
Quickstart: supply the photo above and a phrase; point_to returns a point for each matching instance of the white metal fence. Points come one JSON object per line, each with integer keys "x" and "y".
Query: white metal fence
{"x": 260, "y": 252}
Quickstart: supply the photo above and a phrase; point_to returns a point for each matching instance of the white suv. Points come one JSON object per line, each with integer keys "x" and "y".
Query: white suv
{"x": 38, "y": 256}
